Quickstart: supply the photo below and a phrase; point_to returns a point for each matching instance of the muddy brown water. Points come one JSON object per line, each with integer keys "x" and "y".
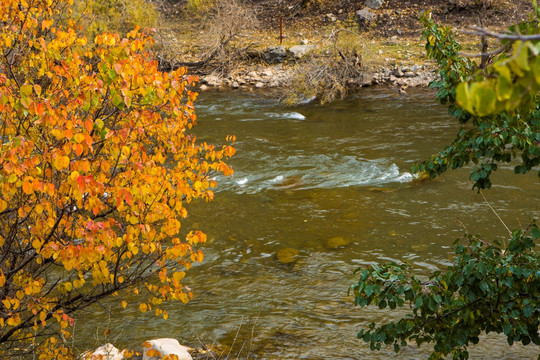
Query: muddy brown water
{"x": 305, "y": 175}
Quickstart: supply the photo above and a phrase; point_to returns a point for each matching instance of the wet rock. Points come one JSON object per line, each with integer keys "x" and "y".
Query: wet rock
{"x": 364, "y": 17}
{"x": 337, "y": 242}
{"x": 299, "y": 51}
{"x": 374, "y": 4}
{"x": 381, "y": 189}
{"x": 275, "y": 54}
{"x": 421, "y": 177}
{"x": 165, "y": 347}
{"x": 287, "y": 256}
{"x": 105, "y": 352}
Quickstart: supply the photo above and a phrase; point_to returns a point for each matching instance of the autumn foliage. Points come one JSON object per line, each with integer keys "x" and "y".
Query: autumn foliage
{"x": 97, "y": 163}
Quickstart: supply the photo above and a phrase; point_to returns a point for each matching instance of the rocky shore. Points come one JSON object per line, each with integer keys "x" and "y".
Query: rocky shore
{"x": 268, "y": 75}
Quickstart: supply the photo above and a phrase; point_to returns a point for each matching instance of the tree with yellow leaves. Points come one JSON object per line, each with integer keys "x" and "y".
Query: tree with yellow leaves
{"x": 97, "y": 164}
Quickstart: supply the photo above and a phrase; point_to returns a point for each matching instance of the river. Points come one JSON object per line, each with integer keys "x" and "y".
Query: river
{"x": 303, "y": 176}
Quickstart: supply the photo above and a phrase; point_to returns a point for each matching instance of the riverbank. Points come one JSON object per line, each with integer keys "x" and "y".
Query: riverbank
{"x": 298, "y": 46}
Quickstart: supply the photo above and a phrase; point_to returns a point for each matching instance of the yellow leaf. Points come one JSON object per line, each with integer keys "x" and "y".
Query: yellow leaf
{"x": 79, "y": 138}
{"x": 61, "y": 162}
{"x": 124, "y": 304}
{"x": 39, "y": 208}
{"x": 143, "y": 308}
{"x": 74, "y": 175}
{"x": 3, "y": 205}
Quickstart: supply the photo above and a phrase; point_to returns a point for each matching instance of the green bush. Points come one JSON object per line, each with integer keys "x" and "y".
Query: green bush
{"x": 98, "y": 16}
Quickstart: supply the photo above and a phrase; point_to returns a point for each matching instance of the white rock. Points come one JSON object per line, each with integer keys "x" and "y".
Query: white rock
{"x": 267, "y": 73}
{"x": 235, "y": 85}
{"x": 203, "y": 87}
{"x": 106, "y": 352}
{"x": 259, "y": 85}
{"x": 299, "y": 51}
{"x": 166, "y": 347}
{"x": 331, "y": 17}
{"x": 374, "y": 4}
{"x": 212, "y": 80}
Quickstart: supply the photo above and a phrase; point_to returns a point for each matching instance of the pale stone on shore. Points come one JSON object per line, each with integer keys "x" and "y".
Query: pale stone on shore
{"x": 105, "y": 352}
{"x": 165, "y": 347}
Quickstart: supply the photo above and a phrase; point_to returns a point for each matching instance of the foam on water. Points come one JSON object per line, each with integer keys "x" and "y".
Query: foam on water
{"x": 297, "y": 172}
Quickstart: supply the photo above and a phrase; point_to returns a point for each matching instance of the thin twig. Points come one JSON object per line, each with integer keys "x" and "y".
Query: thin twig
{"x": 495, "y": 212}
{"x": 509, "y": 36}
{"x": 235, "y": 337}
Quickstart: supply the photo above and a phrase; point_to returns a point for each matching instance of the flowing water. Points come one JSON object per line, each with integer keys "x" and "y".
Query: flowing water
{"x": 303, "y": 176}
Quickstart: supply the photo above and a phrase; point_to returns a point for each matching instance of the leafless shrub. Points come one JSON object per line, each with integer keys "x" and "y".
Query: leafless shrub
{"x": 330, "y": 74}
{"x": 222, "y": 43}
{"x": 227, "y": 22}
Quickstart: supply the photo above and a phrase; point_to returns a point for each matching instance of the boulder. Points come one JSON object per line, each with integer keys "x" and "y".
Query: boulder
{"x": 275, "y": 54}
{"x": 212, "y": 80}
{"x": 287, "y": 256}
{"x": 105, "y": 352}
{"x": 337, "y": 242}
{"x": 164, "y": 347}
{"x": 298, "y": 51}
{"x": 374, "y": 4}
{"x": 364, "y": 17}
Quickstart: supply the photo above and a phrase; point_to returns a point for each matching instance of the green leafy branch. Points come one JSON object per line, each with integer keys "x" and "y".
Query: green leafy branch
{"x": 497, "y": 106}
{"x": 486, "y": 289}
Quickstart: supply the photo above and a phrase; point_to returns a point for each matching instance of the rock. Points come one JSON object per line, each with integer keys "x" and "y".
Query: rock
{"x": 304, "y": 42}
{"x": 330, "y": 17}
{"x": 259, "y": 85}
{"x": 106, "y": 352}
{"x": 203, "y": 87}
{"x": 287, "y": 256}
{"x": 364, "y": 17}
{"x": 212, "y": 80}
{"x": 275, "y": 54}
{"x": 267, "y": 73}
{"x": 337, "y": 242}
{"x": 298, "y": 51}
{"x": 235, "y": 85}
{"x": 165, "y": 347}
{"x": 374, "y": 4}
